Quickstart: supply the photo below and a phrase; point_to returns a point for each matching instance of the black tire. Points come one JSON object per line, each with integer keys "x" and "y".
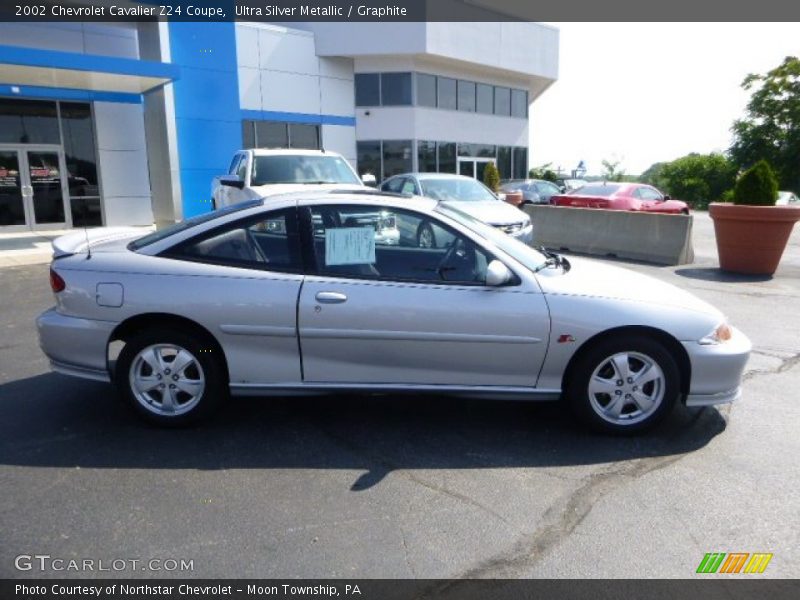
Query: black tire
{"x": 207, "y": 367}
{"x": 424, "y": 230}
{"x": 590, "y": 407}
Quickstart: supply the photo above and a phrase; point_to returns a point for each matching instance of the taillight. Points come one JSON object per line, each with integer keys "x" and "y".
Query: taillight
{"x": 57, "y": 284}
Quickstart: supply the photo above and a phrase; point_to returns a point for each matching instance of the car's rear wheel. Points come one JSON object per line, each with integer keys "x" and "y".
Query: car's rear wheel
{"x": 623, "y": 385}
{"x": 170, "y": 377}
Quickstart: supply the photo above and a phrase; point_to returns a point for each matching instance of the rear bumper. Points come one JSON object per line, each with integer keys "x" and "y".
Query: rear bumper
{"x": 76, "y": 347}
{"x": 717, "y": 370}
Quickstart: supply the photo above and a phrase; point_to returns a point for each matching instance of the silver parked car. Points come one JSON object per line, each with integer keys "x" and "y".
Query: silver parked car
{"x": 292, "y": 295}
{"x": 472, "y": 197}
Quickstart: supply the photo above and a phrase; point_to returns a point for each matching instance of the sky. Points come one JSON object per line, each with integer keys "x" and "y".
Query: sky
{"x": 641, "y": 93}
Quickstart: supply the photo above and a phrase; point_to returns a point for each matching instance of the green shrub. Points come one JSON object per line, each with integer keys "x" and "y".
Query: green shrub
{"x": 727, "y": 196}
{"x": 491, "y": 177}
{"x": 757, "y": 186}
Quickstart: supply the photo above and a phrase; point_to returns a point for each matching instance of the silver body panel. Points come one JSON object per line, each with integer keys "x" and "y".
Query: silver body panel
{"x": 278, "y": 337}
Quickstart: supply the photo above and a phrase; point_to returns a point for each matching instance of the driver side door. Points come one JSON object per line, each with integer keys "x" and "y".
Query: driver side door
{"x": 407, "y": 315}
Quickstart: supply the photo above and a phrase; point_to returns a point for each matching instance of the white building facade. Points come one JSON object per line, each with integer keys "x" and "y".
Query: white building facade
{"x": 126, "y": 124}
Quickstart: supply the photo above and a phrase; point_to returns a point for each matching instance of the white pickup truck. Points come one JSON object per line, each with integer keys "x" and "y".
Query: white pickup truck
{"x": 259, "y": 173}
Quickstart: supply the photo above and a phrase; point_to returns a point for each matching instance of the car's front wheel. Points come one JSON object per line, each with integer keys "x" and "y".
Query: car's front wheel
{"x": 624, "y": 384}
{"x": 170, "y": 377}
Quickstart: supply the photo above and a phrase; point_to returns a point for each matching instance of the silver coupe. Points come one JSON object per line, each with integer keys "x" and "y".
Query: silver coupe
{"x": 295, "y": 296}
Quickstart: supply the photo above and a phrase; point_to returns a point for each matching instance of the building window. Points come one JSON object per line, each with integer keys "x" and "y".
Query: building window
{"x": 446, "y": 93}
{"x": 502, "y": 101}
{"x": 520, "y": 163}
{"x": 271, "y": 134}
{"x": 28, "y": 122}
{"x": 369, "y": 159}
{"x": 484, "y": 99}
{"x": 81, "y": 163}
{"x": 447, "y": 157}
{"x": 277, "y": 134}
{"x": 479, "y": 150}
{"x": 426, "y": 157}
{"x": 519, "y": 103}
{"x": 368, "y": 89}
{"x": 466, "y": 96}
{"x": 426, "y": 90}
{"x": 504, "y": 161}
{"x": 396, "y": 157}
{"x": 304, "y": 136}
{"x": 396, "y": 89}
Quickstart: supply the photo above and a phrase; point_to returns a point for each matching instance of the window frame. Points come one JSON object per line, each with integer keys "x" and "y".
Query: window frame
{"x": 173, "y": 252}
{"x": 313, "y": 268}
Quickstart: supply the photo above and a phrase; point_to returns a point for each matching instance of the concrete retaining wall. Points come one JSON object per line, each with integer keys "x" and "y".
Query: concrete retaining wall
{"x": 649, "y": 237}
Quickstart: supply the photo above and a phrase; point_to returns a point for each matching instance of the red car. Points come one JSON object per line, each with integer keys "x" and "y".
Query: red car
{"x": 621, "y": 196}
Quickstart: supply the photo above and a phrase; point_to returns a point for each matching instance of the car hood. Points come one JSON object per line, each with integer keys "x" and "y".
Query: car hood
{"x": 591, "y": 278}
{"x": 273, "y": 189}
{"x": 493, "y": 212}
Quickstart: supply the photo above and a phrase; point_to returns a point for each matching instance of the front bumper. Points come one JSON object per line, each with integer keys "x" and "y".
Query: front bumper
{"x": 76, "y": 347}
{"x": 717, "y": 370}
{"x": 524, "y": 235}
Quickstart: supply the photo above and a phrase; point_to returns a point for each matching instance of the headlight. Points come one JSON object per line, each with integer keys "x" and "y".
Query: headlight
{"x": 721, "y": 334}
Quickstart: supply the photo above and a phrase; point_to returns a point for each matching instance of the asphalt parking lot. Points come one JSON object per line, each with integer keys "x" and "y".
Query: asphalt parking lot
{"x": 420, "y": 487}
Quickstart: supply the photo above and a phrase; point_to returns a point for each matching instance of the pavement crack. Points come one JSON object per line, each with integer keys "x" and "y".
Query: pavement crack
{"x": 560, "y": 521}
{"x": 786, "y": 364}
{"x": 406, "y": 554}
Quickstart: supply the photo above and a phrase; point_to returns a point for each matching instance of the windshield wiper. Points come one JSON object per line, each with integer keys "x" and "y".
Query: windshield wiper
{"x": 552, "y": 260}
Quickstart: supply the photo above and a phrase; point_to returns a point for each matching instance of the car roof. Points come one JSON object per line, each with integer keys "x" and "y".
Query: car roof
{"x": 290, "y": 152}
{"x": 354, "y": 197}
{"x": 423, "y": 176}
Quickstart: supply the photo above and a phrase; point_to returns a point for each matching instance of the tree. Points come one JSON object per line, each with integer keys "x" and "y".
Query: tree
{"x": 698, "y": 178}
{"x": 652, "y": 175}
{"x": 491, "y": 177}
{"x": 543, "y": 172}
{"x": 770, "y": 129}
{"x": 612, "y": 171}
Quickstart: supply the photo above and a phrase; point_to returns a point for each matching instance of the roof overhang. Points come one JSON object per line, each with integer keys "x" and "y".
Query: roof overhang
{"x": 46, "y": 68}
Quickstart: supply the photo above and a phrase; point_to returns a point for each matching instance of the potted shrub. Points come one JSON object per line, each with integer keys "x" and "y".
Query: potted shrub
{"x": 752, "y": 232}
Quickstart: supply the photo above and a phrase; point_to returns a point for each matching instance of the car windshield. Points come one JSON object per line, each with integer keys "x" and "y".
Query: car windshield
{"x": 596, "y": 190}
{"x": 301, "y": 168}
{"x": 161, "y": 234}
{"x": 529, "y": 257}
{"x": 456, "y": 189}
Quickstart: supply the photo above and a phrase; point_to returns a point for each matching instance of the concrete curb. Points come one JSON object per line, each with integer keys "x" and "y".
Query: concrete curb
{"x": 649, "y": 237}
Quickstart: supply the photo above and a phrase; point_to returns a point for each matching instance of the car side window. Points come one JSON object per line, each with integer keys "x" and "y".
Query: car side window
{"x": 371, "y": 242}
{"x": 234, "y": 164}
{"x": 409, "y": 187}
{"x": 268, "y": 242}
{"x": 646, "y": 193}
{"x": 242, "y": 168}
{"x": 394, "y": 185}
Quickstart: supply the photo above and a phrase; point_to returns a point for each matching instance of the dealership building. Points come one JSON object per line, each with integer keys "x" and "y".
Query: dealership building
{"x": 127, "y": 123}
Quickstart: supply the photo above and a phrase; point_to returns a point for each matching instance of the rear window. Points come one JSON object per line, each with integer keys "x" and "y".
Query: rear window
{"x": 301, "y": 168}
{"x": 596, "y": 190}
{"x": 161, "y": 234}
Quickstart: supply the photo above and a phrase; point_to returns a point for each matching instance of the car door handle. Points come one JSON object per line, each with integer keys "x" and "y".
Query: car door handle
{"x": 330, "y": 297}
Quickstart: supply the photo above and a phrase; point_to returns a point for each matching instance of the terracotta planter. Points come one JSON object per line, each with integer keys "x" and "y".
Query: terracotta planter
{"x": 751, "y": 239}
{"x": 514, "y": 198}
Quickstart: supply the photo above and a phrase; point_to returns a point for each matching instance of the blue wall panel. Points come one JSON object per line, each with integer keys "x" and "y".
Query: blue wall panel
{"x": 207, "y": 114}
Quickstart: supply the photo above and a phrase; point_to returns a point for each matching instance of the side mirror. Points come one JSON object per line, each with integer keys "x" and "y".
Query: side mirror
{"x": 369, "y": 179}
{"x": 497, "y": 274}
{"x": 231, "y": 181}
{"x": 667, "y": 197}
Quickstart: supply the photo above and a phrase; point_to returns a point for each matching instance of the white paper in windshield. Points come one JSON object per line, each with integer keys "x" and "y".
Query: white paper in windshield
{"x": 350, "y": 246}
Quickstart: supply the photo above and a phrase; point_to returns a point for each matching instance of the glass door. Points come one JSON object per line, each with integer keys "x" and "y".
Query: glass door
{"x": 32, "y": 188}
{"x": 466, "y": 166}
{"x": 12, "y": 203}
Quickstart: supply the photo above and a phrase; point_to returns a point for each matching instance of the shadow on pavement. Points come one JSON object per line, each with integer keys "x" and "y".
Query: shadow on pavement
{"x": 55, "y": 421}
{"x": 715, "y": 274}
